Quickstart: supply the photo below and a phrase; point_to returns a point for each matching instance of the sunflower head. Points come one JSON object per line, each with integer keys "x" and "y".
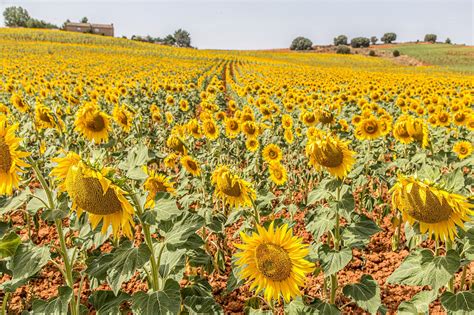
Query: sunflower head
{"x": 154, "y": 184}
{"x": 232, "y": 189}
{"x": 330, "y": 153}
{"x": 272, "y": 153}
{"x": 418, "y": 130}
{"x": 123, "y": 117}
{"x": 92, "y": 123}
{"x": 93, "y": 192}
{"x": 463, "y": 149}
{"x": 437, "y": 211}
{"x": 273, "y": 261}
{"x": 211, "y": 131}
{"x": 369, "y": 129}
{"x": 278, "y": 173}
{"x": 191, "y": 165}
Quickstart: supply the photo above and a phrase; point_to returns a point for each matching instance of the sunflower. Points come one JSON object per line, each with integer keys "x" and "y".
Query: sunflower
{"x": 250, "y": 129}
{"x": 92, "y": 123}
{"x": 44, "y": 117}
{"x": 368, "y": 129}
{"x": 170, "y": 160}
{"x": 278, "y": 173}
{"x": 331, "y": 153}
{"x": 286, "y": 121}
{"x": 272, "y": 153}
{"x": 154, "y": 184}
{"x": 418, "y": 130}
{"x": 91, "y": 191}
{"x": 175, "y": 143}
{"x": 232, "y": 128}
{"x": 231, "y": 189}
{"x": 19, "y": 103}
{"x": 194, "y": 128}
{"x": 191, "y": 165}
{"x": 211, "y": 131}
{"x": 400, "y": 131}
{"x": 123, "y": 117}
{"x": 252, "y": 144}
{"x": 288, "y": 135}
{"x": 10, "y": 158}
{"x": 273, "y": 261}
{"x": 463, "y": 149}
{"x": 437, "y": 211}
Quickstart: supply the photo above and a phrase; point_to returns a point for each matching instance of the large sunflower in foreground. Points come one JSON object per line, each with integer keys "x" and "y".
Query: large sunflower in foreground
{"x": 154, "y": 184}
{"x": 91, "y": 191}
{"x": 10, "y": 158}
{"x": 330, "y": 153}
{"x": 273, "y": 262}
{"x": 437, "y": 211}
{"x": 92, "y": 123}
{"x": 232, "y": 189}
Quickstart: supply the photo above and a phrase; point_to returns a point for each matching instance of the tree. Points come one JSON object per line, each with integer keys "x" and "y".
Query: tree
{"x": 301, "y": 43}
{"x": 340, "y": 40}
{"x": 343, "y": 49}
{"x": 169, "y": 40}
{"x": 182, "y": 38}
{"x": 34, "y": 23}
{"x": 15, "y": 17}
{"x": 430, "y": 38}
{"x": 360, "y": 42}
{"x": 85, "y": 20}
{"x": 374, "y": 40}
{"x": 388, "y": 38}
{"x": 448, "y": 41}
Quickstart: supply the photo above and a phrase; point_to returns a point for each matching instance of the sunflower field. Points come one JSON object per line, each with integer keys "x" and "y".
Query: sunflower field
{"x": 138, "y": 178}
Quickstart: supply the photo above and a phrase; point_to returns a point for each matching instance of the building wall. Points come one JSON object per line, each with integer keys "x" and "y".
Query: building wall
{"x": 107, "y": 31}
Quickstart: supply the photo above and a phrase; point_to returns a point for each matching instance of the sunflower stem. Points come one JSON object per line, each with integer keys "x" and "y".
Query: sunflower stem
{"x": 449, "y": 246}
{"x": 463, "y": 277}
{"x": 5, "y": 302}
{"x": 62, "y": 238}
{"x": 332, "y": 298}
{"x": 255, "y": 213}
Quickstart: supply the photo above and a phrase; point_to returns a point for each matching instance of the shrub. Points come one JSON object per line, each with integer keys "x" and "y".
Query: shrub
{"x": 396, "y": 53}
{"x": 343, "y": 49}
{"x": 182, "y": 38}
{"x": 340, "y": 40}
{"x": 430, "y": 38}
{"x": 448, "y": 41}
{"x": 388, "y": 38}
{"x": 360, "y": 42}
{"x": 301, "y": 43}
{"x": 372, "y": 53}
{"x": 374, "y": 40}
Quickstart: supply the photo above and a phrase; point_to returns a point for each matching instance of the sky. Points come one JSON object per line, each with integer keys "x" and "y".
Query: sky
{"x": 265, "y": 24}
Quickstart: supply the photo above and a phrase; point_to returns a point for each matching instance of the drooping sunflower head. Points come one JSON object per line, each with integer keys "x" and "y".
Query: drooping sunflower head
{"x": 288, "y": 135}
{"x": 463, "y": 149}
{"x": 210, "y": 128}
{"x": 400, "y": 131}
{"x": 437, "y": 211}
{"x": 154, "y": 184}
{"x": 278, "y": 173}
{"x": 273, "y": 261}
{"x": 194, "y": 128}
{"x": 93, "y": 192}
{"x": 123, "y": 116}
{"x": 92, "y": 123}
{"x": 175, "y": 143}
{"x": 44, "y": 117}
{"x": 330, "y": 153}
{"x": 19, "y": 103}
{"x": 418, "y": 130}
{"x": 250, "y": 129}
{"x": 272, "y": 153}
{"x": 191, "y": 165}
{"x": 11, "y": 158}
{"x": 232, "y": 189}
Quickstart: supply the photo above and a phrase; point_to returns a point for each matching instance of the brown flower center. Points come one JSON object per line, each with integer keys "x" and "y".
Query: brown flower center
{"x": 96, "y": 124}
{"x": 273, "y": 262}
{"x": 5, "y": 156}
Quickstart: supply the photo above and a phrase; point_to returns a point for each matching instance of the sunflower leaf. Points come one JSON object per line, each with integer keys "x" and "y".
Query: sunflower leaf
{"x": 58, "y": 305}
{"x": 8, "y": 244}
{"x": 366, "y": 293}
{"x": 105, "y": 302}
{"x": 332, "y": 261}
{"x": 321, "y": 222}
{"x": 358, "y": 233}
{"x": 422, "y": 268}
{"x": 182, "y": 229}
{"x": 419, "y": 303}
{"x": 15, "y": 202}
{"x": 459, "y": 303}
{"x": 166, "y": 301}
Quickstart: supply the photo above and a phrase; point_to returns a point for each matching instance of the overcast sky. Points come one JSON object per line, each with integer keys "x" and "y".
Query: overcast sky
{"x": 260, "y": 24}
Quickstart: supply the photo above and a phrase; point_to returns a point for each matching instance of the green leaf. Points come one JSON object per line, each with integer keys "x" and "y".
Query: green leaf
{"x": 366, "y": 293}
{"x": 15, "y": 202}
{"x": 459, "y": 303}
{"x": 98, "y": 266}
{"x": 39, "y": 201}
{"x": 321, "y": 222}
{"x": 58, "y": 305}
{"x": 332, "y": 261}
{"x": 316, "y": 195}
{"x": 422, "y": 268}
{"x": 298, "y": 307}
{"x": 358, "y": 233}
{"x": 419, "y": 303}
{"x": 346, "y": 205}
{"x": 198, "y": 298}
{"x": 167, "y": 301}
{"x": 26, "y": 262}
{"x": 105, "y": 301}
{"x": 234, "y": 281}
{"x": 183, "y": 228}
{"x": 172, "y": 262}
{"x": 126, "y": 260}
{"x": 453, "y": 181}
{"x": 8, "y": 244}
{"x": 166, "y": 209}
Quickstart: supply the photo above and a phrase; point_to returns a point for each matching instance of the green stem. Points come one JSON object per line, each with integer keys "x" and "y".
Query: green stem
{"x": 255, "y": 213}
{"x": 332, "y": 299}
{"x": 62, "y": 238}
{"x": 337, "y": 243}
{"x": 4, "y": 303}
{"x": 149, "y": 243}
{"x": 463, "y": 277}
{"x": 449, "y": 245}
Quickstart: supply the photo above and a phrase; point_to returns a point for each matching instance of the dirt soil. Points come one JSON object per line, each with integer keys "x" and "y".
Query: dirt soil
{"x": 377, "y": 259}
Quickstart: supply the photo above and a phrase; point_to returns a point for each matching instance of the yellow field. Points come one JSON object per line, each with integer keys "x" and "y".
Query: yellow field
{"x": 143, "y": 162}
